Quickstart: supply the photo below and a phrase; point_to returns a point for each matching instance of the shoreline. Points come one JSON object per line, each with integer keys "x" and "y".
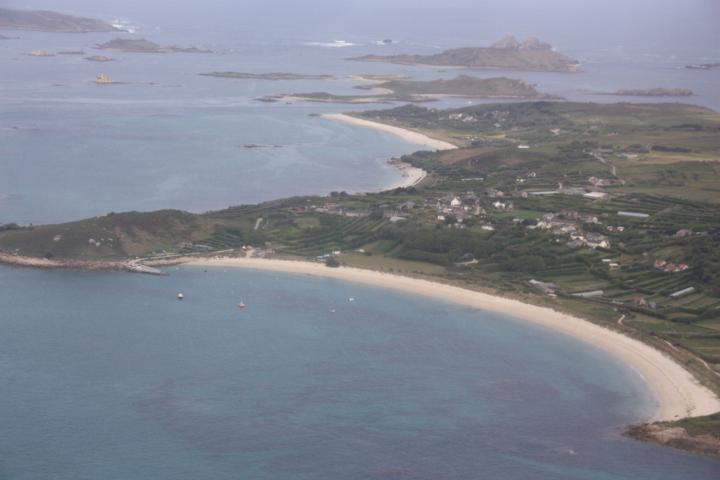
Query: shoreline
{"x": 677, "y": 392}
{"x": 410, "y": 175}
{"x": 407, "y": 135}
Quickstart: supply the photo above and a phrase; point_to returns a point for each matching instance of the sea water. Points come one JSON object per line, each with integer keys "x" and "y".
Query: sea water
{"x": 110, "y": 376}
{"x": 168, "y": 137}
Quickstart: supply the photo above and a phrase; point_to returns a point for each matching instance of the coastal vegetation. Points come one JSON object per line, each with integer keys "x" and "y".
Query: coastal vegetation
{"x": 45, "y": 21}
{"x": 699, "y": 434}
{"x": 508, "y": 53}
{"x": 608, "y": 211}
{"x": 462, "y": 85}
{"x": 415, "y": 91}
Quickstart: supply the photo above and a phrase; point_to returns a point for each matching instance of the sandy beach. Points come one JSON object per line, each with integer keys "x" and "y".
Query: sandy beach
{"x": 677, "y": 392}
{"x": 409, "y": 175}
{"x": 407, "y": 135}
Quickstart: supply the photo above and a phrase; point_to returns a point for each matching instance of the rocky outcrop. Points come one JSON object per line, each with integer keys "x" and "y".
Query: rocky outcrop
{"x": 676, "y": 437}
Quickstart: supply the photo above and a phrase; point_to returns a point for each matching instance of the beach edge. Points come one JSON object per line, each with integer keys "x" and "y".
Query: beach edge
{"x": 677, "y": 392}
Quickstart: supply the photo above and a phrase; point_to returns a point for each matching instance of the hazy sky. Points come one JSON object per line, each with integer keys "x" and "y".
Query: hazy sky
{"x": 585, "y": 24}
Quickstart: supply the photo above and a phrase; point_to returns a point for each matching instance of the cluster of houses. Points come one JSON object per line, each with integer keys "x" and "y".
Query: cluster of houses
{"x": 458, "y": 207}
{"x": 665, "y": 266}
{"x": 604, "y": 182}
{"x": 570, "y": 223}
{"x": 591, "y": 240}
{"x": 462, "y": 117}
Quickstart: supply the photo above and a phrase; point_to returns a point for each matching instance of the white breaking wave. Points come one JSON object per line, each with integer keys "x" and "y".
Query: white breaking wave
{"x": 333, "y": 44}
{"x": 124, "y": 25}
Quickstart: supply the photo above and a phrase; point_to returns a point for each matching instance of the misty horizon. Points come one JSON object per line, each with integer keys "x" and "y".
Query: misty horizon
{"x": 645, "y": 26}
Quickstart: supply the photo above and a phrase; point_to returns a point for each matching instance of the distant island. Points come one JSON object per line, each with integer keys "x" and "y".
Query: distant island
{"x": 374, "y": 77}
{"x": 40, "y": 53}
{"x": 267, "y": 76}
{"x": 103, "y": 79}
{"x": 276, "y": 76}
{"x": 652, "y": 92}
{"x": 703, "y": 66}
{"x": 45, "y": 21}
{"x": 462, "y": 85}
{"x": 3, "y": 37}
{"x": 141, "y": 45}
{"x": 325, "y": 97}
{"x": 508, "y": 53}
{"x": 71, "y": 52}
{"x": 425, "y": 91}
{"x": 99, "y": 58}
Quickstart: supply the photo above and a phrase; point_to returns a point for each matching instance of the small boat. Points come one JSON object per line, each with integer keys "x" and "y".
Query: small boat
{"x": 180, "y": 296}
{"x": 241, "y": 305}
{"x": 351, "y": 299}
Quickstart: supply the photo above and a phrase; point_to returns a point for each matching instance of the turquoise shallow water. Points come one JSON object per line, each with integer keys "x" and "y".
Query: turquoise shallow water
{"x": 109, "y": 376}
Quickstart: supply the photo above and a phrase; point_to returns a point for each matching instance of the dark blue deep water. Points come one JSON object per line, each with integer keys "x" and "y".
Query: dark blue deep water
{"x": 108, "y": 376}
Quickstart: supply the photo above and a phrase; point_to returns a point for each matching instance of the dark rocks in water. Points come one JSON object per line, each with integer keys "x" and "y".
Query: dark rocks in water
{"x": 99, "y": 58}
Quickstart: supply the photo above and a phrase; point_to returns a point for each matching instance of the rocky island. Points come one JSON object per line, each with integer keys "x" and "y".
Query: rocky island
{"x": 425, "y": 91}
{"x": 703, "y": 66}
{"x": 99, "y": 58}
{"x": 508, "y": 53}
{"x": 140, "y": 45}
{"x": 267, "y": 76}
{"x": 652, "y": 92}
{"x": 45, "y": 21}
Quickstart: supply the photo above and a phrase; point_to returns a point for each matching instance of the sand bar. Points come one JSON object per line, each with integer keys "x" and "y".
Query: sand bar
{"x": 677, "y": 392}
{"x": 407, "y": 135}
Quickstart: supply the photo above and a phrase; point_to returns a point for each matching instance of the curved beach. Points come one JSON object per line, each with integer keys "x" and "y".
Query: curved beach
{"x": 407, "y": 135}
{"x": 677, "y": 392}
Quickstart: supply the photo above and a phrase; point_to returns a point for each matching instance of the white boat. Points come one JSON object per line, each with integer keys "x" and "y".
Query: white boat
{"x": 180, "y": 296}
